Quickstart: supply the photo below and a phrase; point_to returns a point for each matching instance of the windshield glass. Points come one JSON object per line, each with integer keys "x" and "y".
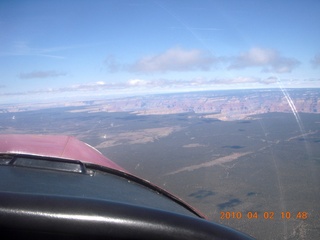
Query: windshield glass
{"x": 215, "y": 101}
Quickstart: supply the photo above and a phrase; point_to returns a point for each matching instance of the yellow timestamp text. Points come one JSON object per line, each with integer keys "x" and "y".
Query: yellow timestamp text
{"x": 267, "y": 215}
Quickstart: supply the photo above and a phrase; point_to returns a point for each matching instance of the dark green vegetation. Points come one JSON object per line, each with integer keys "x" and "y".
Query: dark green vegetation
{"x": 279, "y": 173}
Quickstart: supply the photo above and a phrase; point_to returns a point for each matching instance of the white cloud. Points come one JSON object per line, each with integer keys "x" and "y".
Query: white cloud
{"x": 269, "y": 80}
{"x": 137, "y": 82}
{"x": 179, "y": 59}
{"x": 164, "y": 84}
{"x": 100, "y": 83}
{"x": 22, "y": 48}
{"x": 243, "y": 80}
{"x": 175, "y": 59}
{"x": 268, "y": 59}
{"x": 41, "y": 74}
{"x": 239, "y": 80}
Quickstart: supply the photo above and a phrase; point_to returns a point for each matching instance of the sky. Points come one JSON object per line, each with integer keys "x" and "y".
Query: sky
{"x": 52, "y": 50}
